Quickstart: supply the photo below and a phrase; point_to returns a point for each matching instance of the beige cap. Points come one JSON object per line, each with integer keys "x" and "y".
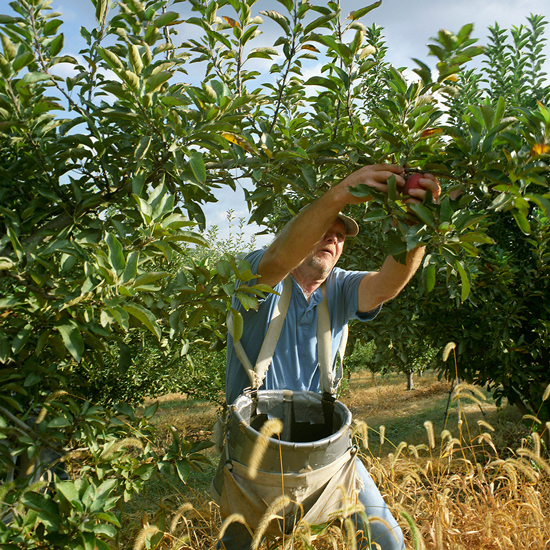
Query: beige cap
{"x": 351, "y": 225}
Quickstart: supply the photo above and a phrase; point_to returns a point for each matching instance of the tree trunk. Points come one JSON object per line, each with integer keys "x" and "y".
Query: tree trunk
{"x": 410, "y": 382}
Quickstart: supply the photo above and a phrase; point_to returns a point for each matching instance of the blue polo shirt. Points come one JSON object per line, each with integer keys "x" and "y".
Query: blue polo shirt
{"x": 295, "y": 364}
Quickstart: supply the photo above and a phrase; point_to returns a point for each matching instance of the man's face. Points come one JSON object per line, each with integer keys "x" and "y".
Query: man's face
{"x": 325, "y": 255}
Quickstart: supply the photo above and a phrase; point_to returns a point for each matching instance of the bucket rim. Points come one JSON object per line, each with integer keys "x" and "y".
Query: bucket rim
{"x": 308, "y": 446}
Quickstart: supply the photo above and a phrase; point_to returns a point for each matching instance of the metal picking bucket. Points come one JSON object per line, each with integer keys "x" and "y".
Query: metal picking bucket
{"x": 315, "y": 431}
{"x": 311, "y": 463}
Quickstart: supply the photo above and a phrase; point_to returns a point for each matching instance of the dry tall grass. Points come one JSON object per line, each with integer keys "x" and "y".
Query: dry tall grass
{"x": 455, "y": 492}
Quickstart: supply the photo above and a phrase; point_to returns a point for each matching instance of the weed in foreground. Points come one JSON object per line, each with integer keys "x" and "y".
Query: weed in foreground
{"x": 454, "y": 492}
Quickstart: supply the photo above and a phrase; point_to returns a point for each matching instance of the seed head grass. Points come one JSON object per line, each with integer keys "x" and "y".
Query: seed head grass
{"x": 464, "y": 486}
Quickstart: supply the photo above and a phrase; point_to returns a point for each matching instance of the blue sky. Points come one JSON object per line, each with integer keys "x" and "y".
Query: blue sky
{"x": 408, "y": 27}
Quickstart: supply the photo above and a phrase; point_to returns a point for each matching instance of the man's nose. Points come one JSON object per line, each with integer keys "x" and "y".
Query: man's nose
{"x": 332, "y": 237}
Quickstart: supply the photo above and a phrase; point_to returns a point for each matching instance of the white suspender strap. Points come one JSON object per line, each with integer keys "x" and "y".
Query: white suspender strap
{"x": 341, "y": 354}
{"x": 324, "y": 345}
{"x": 273, "y": 332}
{"x": 239, "y": 350}
{"x": 324, "y": 342}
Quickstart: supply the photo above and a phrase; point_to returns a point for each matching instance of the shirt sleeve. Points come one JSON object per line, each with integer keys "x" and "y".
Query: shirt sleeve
{"x": 368, "y": 315}
{"x": 345, "y": 295}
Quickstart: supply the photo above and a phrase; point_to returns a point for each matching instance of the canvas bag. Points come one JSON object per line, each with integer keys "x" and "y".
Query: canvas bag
{"x": 318, "y": 475}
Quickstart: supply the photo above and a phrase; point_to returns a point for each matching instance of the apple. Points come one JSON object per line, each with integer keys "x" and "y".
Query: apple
{"x": 412, "y": 183}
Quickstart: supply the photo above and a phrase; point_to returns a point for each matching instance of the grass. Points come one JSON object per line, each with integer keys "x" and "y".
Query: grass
{"x": 473, "y": 480}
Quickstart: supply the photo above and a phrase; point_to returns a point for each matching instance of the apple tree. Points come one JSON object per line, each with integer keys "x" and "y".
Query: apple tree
{"x": 106, "y": 166}
{"x": 103, "y": 174}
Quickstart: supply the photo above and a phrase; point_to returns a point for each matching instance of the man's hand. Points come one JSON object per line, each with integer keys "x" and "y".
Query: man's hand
{"x": 374, "y": 176}
{"x": 418, "y": 192}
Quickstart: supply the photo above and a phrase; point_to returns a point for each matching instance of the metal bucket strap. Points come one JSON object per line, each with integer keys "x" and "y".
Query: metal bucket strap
{"x": 324, "y": 342}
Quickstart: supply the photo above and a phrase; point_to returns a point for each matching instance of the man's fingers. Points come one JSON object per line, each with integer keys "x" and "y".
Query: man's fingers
{"x": 379, "y": 174}
{"x": 427, "y": 181}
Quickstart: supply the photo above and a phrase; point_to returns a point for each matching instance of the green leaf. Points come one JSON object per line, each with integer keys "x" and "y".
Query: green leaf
{"x": 21, "y": 338}
{"x": 132, "y": 81}
{"x": 150, "y": 411}
{"x": 540, "y": 200}
{"x": 72, "y": 339}
{"x": 364, "y": 191}
{"x": 392, "y": 187}
{"x": 223, "y": 267}
{"x": 12, "y": 402}
{"x": 5, "y": 349}
{"x": 145, "y": 209}
{"x": 375, "y": 215}
{"x": 135, "y": 59}
{"x": 263, "y": 52}
{"x": 522, "y": 221}
{"x": 465, "y": 281}
{"x": 396, "y": 247}
{"x": 47, "y": 511}
{"x": 124, "y": 358}
{"x": 68, "y": 490}
{"x": 105, "y": 529}
{"x": 247, "y": 301}
{"x": 19, "y": 252}
{"x": 100, "y": 9}
{"x": 110, "y": 58}
{"x": 464, "y": 33}
{"x": 144, "y": 316}
{"x": 288, "y": 4}
{"x": 196, "y": 162}
{"x": 357, "y": 42}
{"x": 7, "y": 303}
{"x": 398, "y": 79}
{"x": 195, "y": 317}
{"x": 278, "y": 18}
{"x": 56, "y": 45}
{"x": 51, "y": 27}
{"x": 143, "y": 147}
{"x": 423, "y": 213}
{"x": 116, "y": 254}
{"x": 238, "y": 325}
{"x": 110, "y": 517}
{"x": 7, "y": 19}
{"x": 357, "y": 14}
{"x": 475, "y": 237}
{"x": 429, "y": 277}
{"x": 183, "y": 468}
{"x": 166, "y": 19}
{"x": 319, "y": 22}
{"x": 154, "y": 82}
{"x": 130, "y": 271}
{"x": 324, "y": 82}
{"x": 59, "y": 422}
{"x": 12, "y": 387}
{"x": 150, "y": 277}
{"x": 22, "y": 61}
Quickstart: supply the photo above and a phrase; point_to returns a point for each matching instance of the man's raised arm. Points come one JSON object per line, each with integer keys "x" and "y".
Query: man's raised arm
{"x": 300, "y": 236}
{"x": 381, "y": 286}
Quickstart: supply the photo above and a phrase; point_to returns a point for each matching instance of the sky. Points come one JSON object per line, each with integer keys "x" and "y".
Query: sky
{"x": 408, "y": 26}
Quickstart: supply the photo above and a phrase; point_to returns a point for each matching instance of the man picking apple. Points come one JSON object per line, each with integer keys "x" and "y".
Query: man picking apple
{"x": 307, "y": 250}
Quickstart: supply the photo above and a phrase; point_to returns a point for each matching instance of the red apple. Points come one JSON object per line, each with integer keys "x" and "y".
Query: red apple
{"x": 412, "y": 183}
